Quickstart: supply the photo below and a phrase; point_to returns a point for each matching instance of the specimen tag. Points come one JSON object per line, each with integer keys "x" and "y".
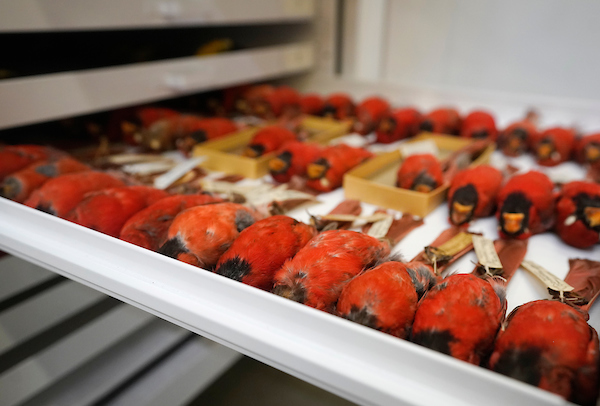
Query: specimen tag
{"x": 419, "y": 147}
{"x": 167, "y": 179}
{"x": 148, "y": 168}
{"x": 549, "y": 279}
{"x": 350, "y": 217}
{"x": 486, "y": 252}
{"x": 353, "y": 140}
{"x": 280, "y": 193}
{"x": 456, "y": 244}
{"x": 380, "y": 228}
{"x": 121, "y": 159}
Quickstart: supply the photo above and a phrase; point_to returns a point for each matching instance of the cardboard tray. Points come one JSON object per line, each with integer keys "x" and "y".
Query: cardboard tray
{"x": 225, "y": 154}
{"x": 374, "y": 181}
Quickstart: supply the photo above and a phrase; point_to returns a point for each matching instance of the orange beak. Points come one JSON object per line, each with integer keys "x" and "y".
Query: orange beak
{"x": 513, "y": 222}
{"x": 422, "y": 188}
{"x": 250, "y": 152}
{"x": 316, "y": 171}
{"x": 385, "y": 125}
{"x": 514, "y": 144}
{"x": 593, "y": 215}
{"x": 592, "y": 153}
{"x": 544, "y": 151}
{"x": 277, "y": 165}
{"x": 460, "y": 213}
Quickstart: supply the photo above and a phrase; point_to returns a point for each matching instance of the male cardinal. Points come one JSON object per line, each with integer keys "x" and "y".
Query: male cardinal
{"x": 16, "y": 157}
{"x": 205, "y": 129}
{"x": 525, "y": 206}
{"x": 261, "y": 249}
{"x": 369, "y": 113}
{"x": 460, "y": 316}
{"x": 311, "y": 104}
{"x": 274, "y": 102}
{"x": 339, "y": 106}
{"x": 251, "y": 96}
{"x": 442, "y": 121}
{"x": 327, "y": 172}
{"x": 58, "y": 196}
{"x": 201, "y": 234}
{"x": 578, "y": 214}
{"x": 148, "y": 227}
{"x": 107, "y": 210}
{"x": 133, "y": 125}
{"x": 385, "y": 297}
{"x": 479, "y": 124}
{"x": 292, "y": 159}
{"x": 20, "y": 184}
{"x": 588, "y": 150}
{"x": 516, "y": 138}
{"x": 473, "y": 193}
{"x": 553, "y": 146}
{"x": 268, "y": 139}
{"x": 549, "y": 344}
{"x": 420, "y": 172}
{"x": 320, "y": 270}
{"x": 398, "y": 125}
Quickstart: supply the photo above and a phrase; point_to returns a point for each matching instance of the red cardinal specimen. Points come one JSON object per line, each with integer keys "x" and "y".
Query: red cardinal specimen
{"x": 274, "y": 102}
{"x": 268, "y": 139}
{"x": 292, "y": 159}
{"x": 516, "y": 138}
{"x": 473, "y": 193}
{"x": 460, "y": 316}
{"x": 201, "y": 234}
{"x": 320, "y": 270}
{"x": 369, "y": 113}
{"x": 526, "y": 206}
{"x": 206, "y": 129}
{"x": 21, "y": 184}
{"x": 252, "y": 95}
{"x": 385, "y": 297}
{"x": 327, "y": 172}
{"x": 578, "y": 214}
{"x": 261, "y": 249}
{"x": 311, "y": 104}
{"x": 549, "y": 344}
{"x": 588, "y": 150}
{"x": 442, "y": 121}
{"x": 58, "y": 196}
{"x": 107, "y": 210}
{"x": 16, "y": 157}
{"x": 148, "y": 227}
{"x": 420, "y": 172}
{"x": 339, "y": 106}
{"x": 479, "y": 124}
{"x": 398, "y": 125}
{"x": 554, "y": 146}
{"x": 142, "y": 119}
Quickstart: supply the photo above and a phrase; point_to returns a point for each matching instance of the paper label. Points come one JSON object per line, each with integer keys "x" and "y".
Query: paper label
{"x": 353, "y": 140}
{"x": 419, "y": 147}
{"x": 456, "y": 244}
{"x": 380, "y": 228}
{"x": 486, "y": 252}
{"x": 122, "y": 159}
{"x": 259, "y": 197}
{"x": 167, "y": 179}
{"x": 148, "y": 168}
{"x": 350, "y": 217}
{"x": 547, "y": 278}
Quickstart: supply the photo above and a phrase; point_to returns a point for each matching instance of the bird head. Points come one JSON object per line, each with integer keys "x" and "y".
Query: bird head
{"x": 462, "y": 206}
{"x": 387, "y": 125}
{"x": 588, "y": 211}
{"x": 329, "y": 111}
{"x": 281, "y": 163}
{"x": 546, "y": 149}
{"x": 254, "y": 150}
{"x": 479, "y": 133}
{"x": 592, "y": 152}
{"x": 514, "y": 215}
{"x": 427, "y": 125}
{"x": 424, "y": 183}
{"x": 516, "y": 140}
{"x": 317, "y": 169}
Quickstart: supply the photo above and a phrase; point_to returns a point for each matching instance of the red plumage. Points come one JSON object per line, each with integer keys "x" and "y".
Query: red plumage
{"x": 320, "y": 270}
{"x": 420, "y": 172}
{"x": 275, "y": 101}
{"x": 206, "y": 129}
{"x": 553, "y": 146}
{"x": 525, "y": 206}
{"x": 369, "y": 113}
{"x": 292, "y": 159}
{"x": 148, "y": 227}
{"x": 311, "y": 104}
{"x": 251, "y": 96}
{"x": 60, "y": 195}
{"x": 21, "y": 184}
{"x": 133, "y": 123}
{"x": 398, "y": 125}
{"x": 442, "y": 121}
{"x": 473, "y": 194}
{"x": 16, "y": 157}
{"x": 578, "y": 214}
{"x": 261, "y": 249}
{"x": 587, "y": 150}
{"x": 460, "y": 316}
{"x": 517, "y": 137}
{"x": 201, "y": 234}
{"x": 385, "y": 297}
{"x": 479, "y": 124}
{"x": 326, "y": 173}
{"x": 339, "y": 106}
{"x": 107, "y": 210}
{"x": 268, "y": 139}
{"x": 549, "y": 344}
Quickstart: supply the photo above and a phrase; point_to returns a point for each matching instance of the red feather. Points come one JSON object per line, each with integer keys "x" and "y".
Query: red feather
{"x": 268, "y": 139}
{"x": 517, "y": 137}
{"x": 554, "y": 146}
{"x": 442, "y": 121}
{"x": 420, "y": 172}
{"x": 575, "y": 223}
{"x": 326, "y": 173}
{"x": 339, "y": 106}
{"x": 292, "y": 160}
{"x": 398, "y": 125}
{"x": 479, "y": 124}
{"x": 369, "y": 113}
